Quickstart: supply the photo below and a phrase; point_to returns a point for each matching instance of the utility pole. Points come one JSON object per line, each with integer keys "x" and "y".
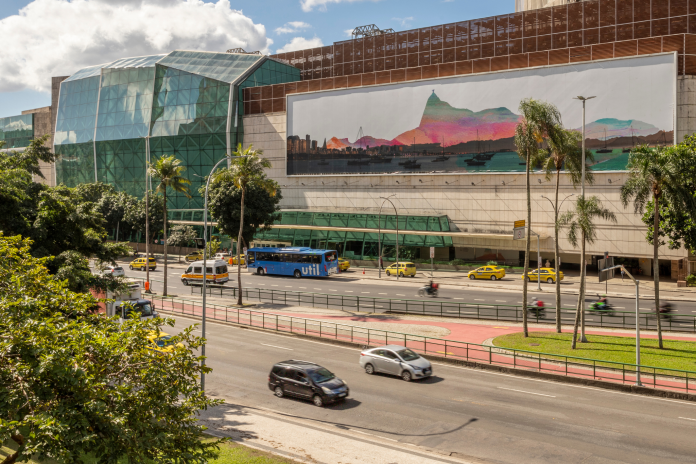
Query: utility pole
{"x": 147, "y": 212}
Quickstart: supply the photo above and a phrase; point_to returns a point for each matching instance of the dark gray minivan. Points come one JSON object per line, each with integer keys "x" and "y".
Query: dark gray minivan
{"x": 306, "y": 380}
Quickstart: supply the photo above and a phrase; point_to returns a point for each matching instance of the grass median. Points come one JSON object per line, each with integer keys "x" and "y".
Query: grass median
{"x": 230, "y": 453}
{"x": 676, "y": 355}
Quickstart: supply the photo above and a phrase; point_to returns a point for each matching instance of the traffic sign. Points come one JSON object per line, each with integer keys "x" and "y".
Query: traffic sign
{"x": 519, "y": 224}
{"x": 604, "y": 272}
{"x": 432, "y": 252}
{"x": 519, "y": 233}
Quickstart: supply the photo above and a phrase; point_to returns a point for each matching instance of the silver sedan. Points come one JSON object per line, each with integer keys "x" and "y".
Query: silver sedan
{"x": 395, "y": 360}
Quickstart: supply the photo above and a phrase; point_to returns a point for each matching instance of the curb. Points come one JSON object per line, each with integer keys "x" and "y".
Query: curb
{"x": 645, "y": 391}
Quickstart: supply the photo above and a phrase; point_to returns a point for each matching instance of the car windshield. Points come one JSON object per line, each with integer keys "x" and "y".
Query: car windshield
{"x": 164, "y": 341}
{"x": 321, "y": 375}
{"x": 407, "y": 355}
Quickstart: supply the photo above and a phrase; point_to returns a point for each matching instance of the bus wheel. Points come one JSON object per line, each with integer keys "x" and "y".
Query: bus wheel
{"x": 259, "y": 271}
{"x": 298, "y": 274}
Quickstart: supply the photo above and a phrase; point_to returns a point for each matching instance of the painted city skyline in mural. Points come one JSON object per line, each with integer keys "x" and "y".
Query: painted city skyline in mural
{"x": 447, "y": 127}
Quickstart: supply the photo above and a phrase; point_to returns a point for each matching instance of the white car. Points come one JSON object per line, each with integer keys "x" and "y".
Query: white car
{"x": 222, "y": 256}
{"x": 116, "y": 271}
{"x": 395, "y": 360}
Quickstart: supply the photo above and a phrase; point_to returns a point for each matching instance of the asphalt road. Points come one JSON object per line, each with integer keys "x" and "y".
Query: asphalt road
{"x": 350, "y": 284}
{"x": 482, "y": 415}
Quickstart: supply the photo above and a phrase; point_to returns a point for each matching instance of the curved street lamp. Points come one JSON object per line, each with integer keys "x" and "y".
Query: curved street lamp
{"x": 379, "y": 235}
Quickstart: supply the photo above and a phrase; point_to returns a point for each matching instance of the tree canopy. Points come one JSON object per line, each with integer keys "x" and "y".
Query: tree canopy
{"x": 73, "y": 382}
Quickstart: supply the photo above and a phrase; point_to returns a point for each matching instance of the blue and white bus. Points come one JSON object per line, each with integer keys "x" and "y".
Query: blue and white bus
{"x": 298, "y": 262}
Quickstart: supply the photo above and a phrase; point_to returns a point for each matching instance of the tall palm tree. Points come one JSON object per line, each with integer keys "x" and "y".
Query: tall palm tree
{"x": 658, "y": 172}
{"x": 564, "y": 153}
{"x": 581, "y": 221}
{"x": 246, "y": 168}
{"x": 168, "y": 171}
{"x": 539, "y": 121}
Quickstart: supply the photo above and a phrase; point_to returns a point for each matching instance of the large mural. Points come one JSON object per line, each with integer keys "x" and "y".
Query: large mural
{"x": 467, "y": 124}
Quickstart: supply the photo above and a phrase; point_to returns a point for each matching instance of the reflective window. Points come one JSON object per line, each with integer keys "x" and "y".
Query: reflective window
{"x": 17, "y": 131}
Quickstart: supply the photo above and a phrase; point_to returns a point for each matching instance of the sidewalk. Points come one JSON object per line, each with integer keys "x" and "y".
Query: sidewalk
{"x": 312, "y": 441}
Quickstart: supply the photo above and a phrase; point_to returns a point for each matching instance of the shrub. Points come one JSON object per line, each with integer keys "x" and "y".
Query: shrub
{"x": 691, "y": 280}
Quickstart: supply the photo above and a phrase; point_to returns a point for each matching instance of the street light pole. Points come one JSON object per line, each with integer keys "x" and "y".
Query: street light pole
{"x": 583, "y": 270}
{"x": 379, "y": 235}
{"x": 620, "y": 266}
{"x": 147, "y": 212}
{"x": 205, "y": 263}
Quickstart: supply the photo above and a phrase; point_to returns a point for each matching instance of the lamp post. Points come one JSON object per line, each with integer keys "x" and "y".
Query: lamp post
{"x": 583, "y": 272}
{"x": 147, "y": 212}
{"x": 205, "y": 262}
{"x": 379, "y": 235}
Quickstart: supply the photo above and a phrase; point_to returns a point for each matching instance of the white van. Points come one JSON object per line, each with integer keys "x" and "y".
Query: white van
{"x": 216, "y": 273}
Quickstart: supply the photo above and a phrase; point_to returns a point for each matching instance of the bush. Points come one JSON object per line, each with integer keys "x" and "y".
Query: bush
{"x": 691, "y": 280}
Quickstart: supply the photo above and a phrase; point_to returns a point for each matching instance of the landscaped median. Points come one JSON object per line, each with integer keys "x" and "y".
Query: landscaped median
{"x": 677, "y": 354}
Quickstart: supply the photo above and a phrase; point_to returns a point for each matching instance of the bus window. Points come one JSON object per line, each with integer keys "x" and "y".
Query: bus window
{"x": 316, "y": 259}
{"x": 251, "y": 258}
{"x": 330, "y": 257}
{"x": 208, "y": 270}
{"x": 198, "y": 270}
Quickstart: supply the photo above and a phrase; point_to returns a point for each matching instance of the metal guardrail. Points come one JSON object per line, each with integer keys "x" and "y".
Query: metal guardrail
{"x": 568, "y": 366}
{"x": 432, "y": 307}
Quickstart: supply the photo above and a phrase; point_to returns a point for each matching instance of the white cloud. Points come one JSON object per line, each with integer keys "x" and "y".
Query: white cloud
{"x": 405, "y": 22}
{"x": 300, "y": 43}
{"x": 59, "y": 37}
{"x": 291, "y": 27}
{"x": 309, "y": 5}
{"x": 349, "y": 32}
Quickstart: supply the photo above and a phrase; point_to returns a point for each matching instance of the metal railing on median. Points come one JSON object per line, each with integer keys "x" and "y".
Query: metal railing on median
{"x": 464, "y": 310}
{"x": 569, "y": 366}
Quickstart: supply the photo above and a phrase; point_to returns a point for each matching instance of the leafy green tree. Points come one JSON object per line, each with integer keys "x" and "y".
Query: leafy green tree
{"x": 581, "y": 222}
{"x": 181, "y": 236}
{"x": 261, "y": 209}
{"x": 662, "y": 173}
{"x": 74, "y": 383}
{"x": 169, "y": 171}
{"x": 539, "y": 121}
{"x": 246, "y": 169}
{"x": 95, "y": 191}
{"x": 27, "y": 160}
{"x": 135, "y": 216}
{"x": 564, "y": 153}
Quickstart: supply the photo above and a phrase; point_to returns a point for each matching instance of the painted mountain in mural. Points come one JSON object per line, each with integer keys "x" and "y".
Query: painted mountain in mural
{"x": 617, "y": 128}
{"x": 459, "y": 125}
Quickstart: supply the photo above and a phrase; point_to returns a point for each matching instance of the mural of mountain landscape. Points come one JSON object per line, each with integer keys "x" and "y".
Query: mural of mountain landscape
{"x": 450, "y": 139}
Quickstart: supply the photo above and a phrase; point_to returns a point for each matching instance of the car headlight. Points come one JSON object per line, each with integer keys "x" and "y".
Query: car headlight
{"x": 326, "y": 390}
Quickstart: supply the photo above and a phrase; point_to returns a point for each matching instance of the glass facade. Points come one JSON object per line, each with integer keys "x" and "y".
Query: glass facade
{"x": 181, "y": 100}
{"x": 17, "y": 131}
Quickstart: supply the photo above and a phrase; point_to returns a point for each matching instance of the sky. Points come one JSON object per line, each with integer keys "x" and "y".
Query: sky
{"x": 44, "y": 38}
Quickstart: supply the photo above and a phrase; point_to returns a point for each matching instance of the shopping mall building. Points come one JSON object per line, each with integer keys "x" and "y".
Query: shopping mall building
{"x": 425, "y": 117}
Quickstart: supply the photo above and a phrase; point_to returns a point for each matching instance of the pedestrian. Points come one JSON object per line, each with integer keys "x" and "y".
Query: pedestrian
{"x": 623, "y": 272}
{"x": 548, "y": 263}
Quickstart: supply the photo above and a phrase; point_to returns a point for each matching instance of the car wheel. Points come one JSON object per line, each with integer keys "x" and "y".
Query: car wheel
{"x": 494, "y": 278}
{"x": 318, "y": 401}
{"x": 406, "y": 376}
{"x": 185, "y": 282}
{"x": 528, "y": 279}
{"x": 388, "y": 274}
{"x": 278, "y": 391}
{"x": 550, "y": 280}
{"x": 401, "y": 274}
{"x": 472, "y": 277}
{"x": 413, "y": 275}
{"x": 297, "y": 273}
{"x": 130, "y": 267}
{"x": 369, "y": 369}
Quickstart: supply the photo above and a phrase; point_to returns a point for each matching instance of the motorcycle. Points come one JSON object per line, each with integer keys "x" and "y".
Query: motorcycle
{"x": 665, "y": 312}
{"x": 602, "y": 306}
{"x": 536, "y": 307}
{"x": 429, "y": 290}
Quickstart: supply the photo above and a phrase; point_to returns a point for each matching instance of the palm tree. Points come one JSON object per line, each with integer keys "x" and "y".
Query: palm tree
{"x": 657, "y": 172}
{"x": 539, "y": 120}
{"x": 168, "y": 170}
{"x": 564, "y": 152}
{"x": 246, "y": 168}
{"x": 581, "y": 221}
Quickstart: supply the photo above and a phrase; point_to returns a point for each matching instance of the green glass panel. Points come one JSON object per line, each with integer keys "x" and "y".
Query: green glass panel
{"x": 357, "y": 220}
{"x": 337, "y": 236}
{"x": 322, "y": 219}
{"x": 355, "y": 236}
{"x": 75, "y": 164}
{"x": 286, "y": 235}
{"x": 417, "y": 223}
{"x": 433, "y": 224}
{"x": 432, "y": 241}
{"x": 413, "y": 240}
{"x": 444, "y": 224}
{"x": 371, "y": 221}
{"x": 17, "y": 131}
{"x": 339, "y": 220}
{"x": 289, "y": 218}
{"x": 304, "y": 219}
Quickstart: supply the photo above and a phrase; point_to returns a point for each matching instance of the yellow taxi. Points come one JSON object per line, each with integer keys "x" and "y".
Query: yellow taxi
{"x": 216, "y": 273}
{"x": 233, "y": 260}
{"x": 139, "y": 263}
{"x": 343, "y": 264}
{"x": 487, "y": 272}
{"x": 162, "y": 343}
{"x": 195, "y": 256}
{"x": 405, "y": 269}
{"x": 548, "y": 274}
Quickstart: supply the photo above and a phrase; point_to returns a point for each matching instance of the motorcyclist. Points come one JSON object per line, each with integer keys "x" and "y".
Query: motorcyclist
{"x": 432, "y": 288}
{"x": 602, "y": 303}
{"x": 536, "y": 305}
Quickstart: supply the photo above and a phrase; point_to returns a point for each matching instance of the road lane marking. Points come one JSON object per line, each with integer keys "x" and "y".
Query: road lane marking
{"x": 442, "y": 352}
{"x": 349, "y": 291}
{"x": 387, "y": 294}
{"x": 317, "y": 289}
{"x": 476, "y": 299}
{"x": 501, "y": 301}
{"x": 333, "y": 290}
{"x": 280, "y": 347}
{"x": 522, "y": 391}
{"x": 687, "y": 418}
{"x": 400, "y": 294}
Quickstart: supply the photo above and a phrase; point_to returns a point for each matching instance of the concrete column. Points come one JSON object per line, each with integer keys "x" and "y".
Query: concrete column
{"x": 646, "y": 265}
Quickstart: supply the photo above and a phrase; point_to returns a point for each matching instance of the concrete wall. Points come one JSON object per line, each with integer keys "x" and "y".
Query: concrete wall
{"x": 43, "y": 124}
{"x": 487, "y": 206}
